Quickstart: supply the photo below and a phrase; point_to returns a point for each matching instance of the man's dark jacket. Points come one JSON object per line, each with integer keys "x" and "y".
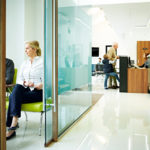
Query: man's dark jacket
{"x": 9, "y": 71}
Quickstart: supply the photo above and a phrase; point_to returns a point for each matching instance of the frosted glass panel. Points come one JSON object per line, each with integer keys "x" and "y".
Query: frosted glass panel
{"x": 74, "y": 64}
{"x": 48, "y": 69}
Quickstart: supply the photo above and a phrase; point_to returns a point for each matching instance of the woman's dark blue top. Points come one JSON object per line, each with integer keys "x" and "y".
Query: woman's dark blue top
{"x": 107, "y": 68}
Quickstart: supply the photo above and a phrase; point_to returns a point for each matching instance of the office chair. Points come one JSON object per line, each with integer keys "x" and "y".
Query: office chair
{"x": 99, "y": 69}
{"x": 93, "y": 70}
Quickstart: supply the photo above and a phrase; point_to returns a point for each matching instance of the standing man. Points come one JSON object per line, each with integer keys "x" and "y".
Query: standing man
{"x": 112, "y": 56}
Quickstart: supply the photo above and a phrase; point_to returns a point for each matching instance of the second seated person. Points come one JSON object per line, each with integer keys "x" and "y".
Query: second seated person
{"x": 28, "y": 88}
{"x": 9, "y": 71}
{"x": 108, "y": 69}
{"x": 99, "y": 61}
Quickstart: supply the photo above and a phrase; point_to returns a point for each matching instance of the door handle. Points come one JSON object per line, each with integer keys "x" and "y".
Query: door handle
{"x": 51, "y": 104}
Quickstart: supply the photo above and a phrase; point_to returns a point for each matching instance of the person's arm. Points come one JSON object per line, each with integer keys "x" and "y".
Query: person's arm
{"x": 40, "y": 85}
{"x": 112, "y": 61}
{"x": 142, "y": 65}
{"x": 103, "y": 61}
{"x": 9, "y": 71}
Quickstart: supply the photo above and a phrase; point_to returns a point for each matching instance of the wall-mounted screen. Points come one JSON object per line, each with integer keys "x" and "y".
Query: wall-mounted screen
{"x": 95, "y": 51}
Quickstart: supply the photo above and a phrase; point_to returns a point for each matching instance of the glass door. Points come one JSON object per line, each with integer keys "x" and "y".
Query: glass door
{"x": 50, "y": 83}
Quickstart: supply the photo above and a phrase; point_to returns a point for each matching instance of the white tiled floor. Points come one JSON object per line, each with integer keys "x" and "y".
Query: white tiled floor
{"x": 119, "y": 121}
{"x": 28, "y": 134}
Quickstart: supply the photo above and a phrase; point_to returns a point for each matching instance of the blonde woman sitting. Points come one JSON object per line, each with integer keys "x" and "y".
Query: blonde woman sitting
{"x": 28, "y": 88}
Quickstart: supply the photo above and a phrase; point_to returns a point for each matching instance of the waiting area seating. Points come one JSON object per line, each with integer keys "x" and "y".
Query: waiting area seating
{"x": 99, "y": 69}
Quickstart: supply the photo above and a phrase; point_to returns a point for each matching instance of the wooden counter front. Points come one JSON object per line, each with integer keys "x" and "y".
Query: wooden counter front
{"x": 137, "y": 80}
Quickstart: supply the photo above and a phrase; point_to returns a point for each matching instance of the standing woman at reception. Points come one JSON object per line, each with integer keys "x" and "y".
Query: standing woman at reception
{"x": 28, "y": 88}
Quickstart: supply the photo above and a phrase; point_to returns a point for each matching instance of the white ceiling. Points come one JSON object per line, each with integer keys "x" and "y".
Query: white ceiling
{"x": 120, "y": 13}
{"x": 124, "y": 17}
{"x": 64, "y": 3}
{"x": 102, "y": 2}
{"x": 128, "y": 15}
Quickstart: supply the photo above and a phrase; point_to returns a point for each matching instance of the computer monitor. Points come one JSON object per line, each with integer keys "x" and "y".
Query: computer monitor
{"x": 95, "y": 51}
{"x": 130, "y": 62}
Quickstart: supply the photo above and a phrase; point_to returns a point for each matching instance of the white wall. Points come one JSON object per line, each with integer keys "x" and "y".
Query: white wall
{"x": 15, "y": 31}
{"x": 34, "y": 21}
{"x": 24, "y": 22}
{"x": 102, "y": 35}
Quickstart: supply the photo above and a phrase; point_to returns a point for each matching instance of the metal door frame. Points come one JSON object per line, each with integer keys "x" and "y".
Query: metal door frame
{"x": 54, "y": 72}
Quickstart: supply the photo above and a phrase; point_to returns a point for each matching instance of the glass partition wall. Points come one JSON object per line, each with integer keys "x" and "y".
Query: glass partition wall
{"x": 74, "y": 63}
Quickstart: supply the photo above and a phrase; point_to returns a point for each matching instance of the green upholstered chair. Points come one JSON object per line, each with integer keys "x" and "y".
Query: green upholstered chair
{"x": 30, "y": 107}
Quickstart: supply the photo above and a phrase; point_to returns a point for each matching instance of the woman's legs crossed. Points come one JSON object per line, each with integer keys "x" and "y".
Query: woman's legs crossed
{"x": 21, "y": 95}
{"x": 14, "y": 107}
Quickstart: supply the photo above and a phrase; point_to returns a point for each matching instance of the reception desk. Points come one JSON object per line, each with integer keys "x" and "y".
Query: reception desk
{"x": 137, "y": 80}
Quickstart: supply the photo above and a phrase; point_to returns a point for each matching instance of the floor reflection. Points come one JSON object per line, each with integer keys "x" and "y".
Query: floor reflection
{"x": 71, "y": 106}
{"x": 119, "y": 121}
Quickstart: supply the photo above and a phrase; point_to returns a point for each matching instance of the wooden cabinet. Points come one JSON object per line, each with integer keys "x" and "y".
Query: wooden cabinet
{"x": 143, "y": 49}
{"x": 137, "y": 80}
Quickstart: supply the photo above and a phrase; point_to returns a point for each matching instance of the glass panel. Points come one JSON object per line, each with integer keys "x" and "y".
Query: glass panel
{"x": 74, "y": 63}
{"x": 48, "y": 69}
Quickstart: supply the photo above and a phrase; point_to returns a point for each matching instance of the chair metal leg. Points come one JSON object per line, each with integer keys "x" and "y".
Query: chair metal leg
{"x": 26, "y": 116}
{"x": 41, "y": 118}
